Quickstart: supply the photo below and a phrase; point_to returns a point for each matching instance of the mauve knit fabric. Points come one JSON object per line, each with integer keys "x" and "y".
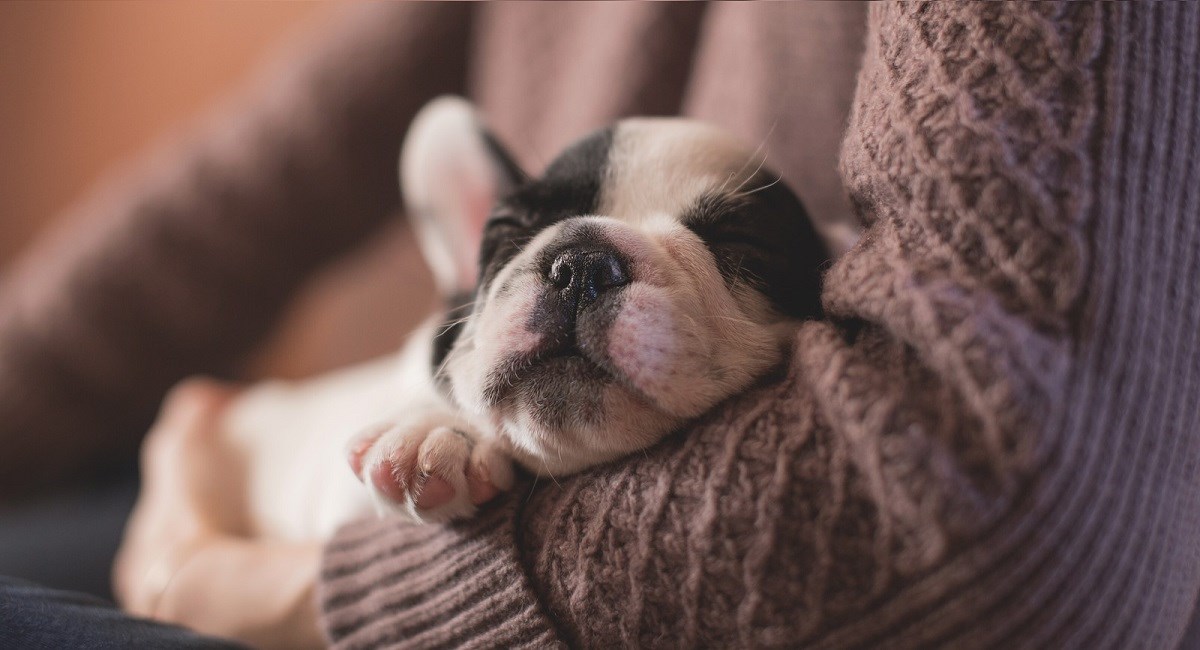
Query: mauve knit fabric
{"x": 989, "y": 441}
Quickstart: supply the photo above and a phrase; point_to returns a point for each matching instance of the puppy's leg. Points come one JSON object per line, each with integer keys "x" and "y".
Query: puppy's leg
{"x": 431, "y": 468}
{"x": 428, "y": 463}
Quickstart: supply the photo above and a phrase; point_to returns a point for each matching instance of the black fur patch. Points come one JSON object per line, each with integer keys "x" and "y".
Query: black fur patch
{"x": 764, "y": 238}
{"x": 569, "y": 188}
{"x": 513, "y": 175}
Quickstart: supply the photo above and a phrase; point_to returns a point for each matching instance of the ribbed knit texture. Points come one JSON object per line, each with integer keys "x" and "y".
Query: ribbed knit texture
{"x": 991, "y": 441}
{"x": 421, "y": 562}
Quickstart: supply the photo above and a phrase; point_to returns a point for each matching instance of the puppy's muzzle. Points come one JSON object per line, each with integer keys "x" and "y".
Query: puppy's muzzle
{"x": 581, "y": 282}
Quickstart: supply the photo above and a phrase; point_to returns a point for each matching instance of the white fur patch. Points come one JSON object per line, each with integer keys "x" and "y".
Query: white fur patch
{"x": 450, "y": 182}
{"x": 662, "y": 165}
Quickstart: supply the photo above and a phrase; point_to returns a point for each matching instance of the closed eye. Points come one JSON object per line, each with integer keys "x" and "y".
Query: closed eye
{"x": 503, "y": 220}
{"x": 723, "y": 223}
{"x": 734, "y": 238}
{"x": 763, "y": 240}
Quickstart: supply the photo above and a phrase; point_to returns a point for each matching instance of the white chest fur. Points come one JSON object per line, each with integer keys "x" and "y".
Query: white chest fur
{"x": 291, "y": 438}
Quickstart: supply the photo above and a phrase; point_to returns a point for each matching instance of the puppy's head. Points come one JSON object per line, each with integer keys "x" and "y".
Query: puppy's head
{"x": 653, "y": 270}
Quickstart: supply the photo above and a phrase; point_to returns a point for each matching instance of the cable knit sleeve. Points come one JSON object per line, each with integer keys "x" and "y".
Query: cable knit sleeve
{"x": 185, "y": 265}
{"x": 989, "y": 441}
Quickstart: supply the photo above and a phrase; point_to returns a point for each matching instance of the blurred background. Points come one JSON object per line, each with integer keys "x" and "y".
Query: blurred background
{"x": 87, "y": 87}
{"x": 85, "y": 90}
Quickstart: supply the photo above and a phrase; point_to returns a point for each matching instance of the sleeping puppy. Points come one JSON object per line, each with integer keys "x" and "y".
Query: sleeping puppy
{"x": 653, "y": 270}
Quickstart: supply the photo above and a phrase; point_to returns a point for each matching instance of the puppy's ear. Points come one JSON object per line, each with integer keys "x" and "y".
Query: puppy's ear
{"x": 452, "y": 171}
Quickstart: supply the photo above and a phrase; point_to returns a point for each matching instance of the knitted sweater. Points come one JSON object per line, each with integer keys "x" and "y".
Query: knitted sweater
{"x": 990, "y": 440}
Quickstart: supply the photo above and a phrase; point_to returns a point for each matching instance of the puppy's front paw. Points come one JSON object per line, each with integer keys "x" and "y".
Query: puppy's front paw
{"x": 431, "y": 470}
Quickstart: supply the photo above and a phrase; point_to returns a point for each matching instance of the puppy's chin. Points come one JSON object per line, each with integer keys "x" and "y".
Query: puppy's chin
{"x": 569, "y": 414}
{"x": 565, "y": 407}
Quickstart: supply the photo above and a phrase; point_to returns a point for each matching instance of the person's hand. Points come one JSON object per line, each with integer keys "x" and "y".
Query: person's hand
{"x": 181, "y": 560}
{"x": 171, "y": 518}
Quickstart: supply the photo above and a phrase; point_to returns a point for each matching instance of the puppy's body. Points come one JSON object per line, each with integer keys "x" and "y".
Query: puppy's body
{"x": 652, "y": 271}
{"x": 292, "y": 437}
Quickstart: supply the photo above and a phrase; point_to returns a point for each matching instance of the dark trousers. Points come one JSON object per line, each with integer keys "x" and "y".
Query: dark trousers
{"x": 33, "y": 618}
{"x": 67, "y": 543}
{"x": 67, "y": 540}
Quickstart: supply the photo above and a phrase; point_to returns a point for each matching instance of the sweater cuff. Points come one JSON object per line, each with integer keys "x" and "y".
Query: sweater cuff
{"x": 388, "y": 583}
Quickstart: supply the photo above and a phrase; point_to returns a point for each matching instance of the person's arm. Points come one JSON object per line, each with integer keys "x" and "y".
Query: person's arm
{"x": 940, "y": 465}
{"x": 186, "y": 265}
{"x": 917, "y": 478}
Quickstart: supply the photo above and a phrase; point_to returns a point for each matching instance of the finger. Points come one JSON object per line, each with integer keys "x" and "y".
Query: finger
{"x": 196, "y": 399}
{"x": 180, "y": 434}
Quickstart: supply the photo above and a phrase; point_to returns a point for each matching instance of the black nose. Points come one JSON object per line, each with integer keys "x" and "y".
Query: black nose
{"x": 585, "y": 274}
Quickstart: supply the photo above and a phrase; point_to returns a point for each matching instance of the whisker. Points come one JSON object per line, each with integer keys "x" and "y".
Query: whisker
{"x": 532, "y": 488}
{"x": 546, "y": 469}
{"x": 468, "y": 305}
{"x": 757, "y": 150}
{"x": 749, "y": 178}
{"x": 759, "y": 189}
{"x": 448, "y": 325}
